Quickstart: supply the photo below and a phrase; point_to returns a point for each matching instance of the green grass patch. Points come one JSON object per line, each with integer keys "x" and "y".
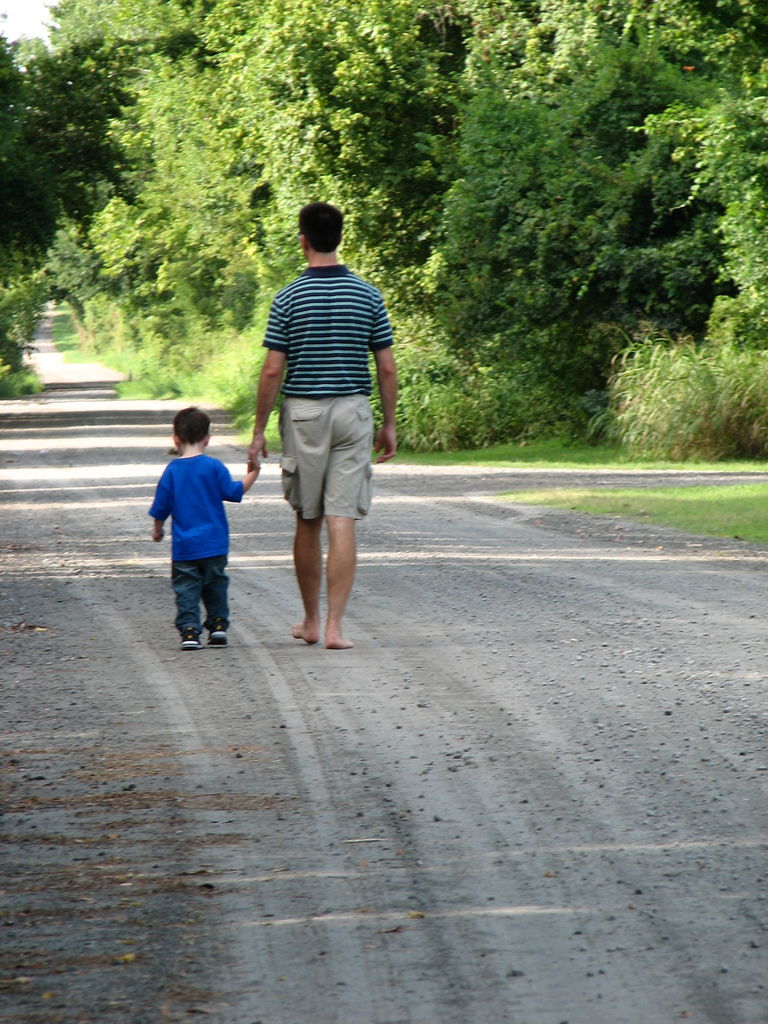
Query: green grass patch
{"x": 560, "y": 454}
{"x": 735, "y": 510}
{"x": 67, "y": 339}
{"x": 542, "y": 453}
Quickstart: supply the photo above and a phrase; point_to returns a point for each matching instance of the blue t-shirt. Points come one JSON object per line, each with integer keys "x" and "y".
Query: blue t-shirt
{"x": 192, "y": 491}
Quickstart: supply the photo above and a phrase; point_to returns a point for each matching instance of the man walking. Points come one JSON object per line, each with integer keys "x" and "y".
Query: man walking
{"x": 322, "y": 327}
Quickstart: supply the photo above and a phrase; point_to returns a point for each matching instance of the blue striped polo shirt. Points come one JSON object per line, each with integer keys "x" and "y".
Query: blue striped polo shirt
{"x": 326, "y": 322}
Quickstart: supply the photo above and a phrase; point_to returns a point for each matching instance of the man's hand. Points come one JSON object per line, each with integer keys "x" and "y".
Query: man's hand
{"x": 258, "y": 448}
{"x": 269, "y": 387}
{"x": 386, "y": 443}
{"x": 386, "y": 436}
{"x": 157, "y": 532}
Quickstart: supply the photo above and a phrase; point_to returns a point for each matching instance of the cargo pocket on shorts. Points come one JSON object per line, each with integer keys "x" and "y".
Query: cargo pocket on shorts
{"x": 366, "y": 491}
{"x": 302, "y": 412}
{"x": 290, "y": 479}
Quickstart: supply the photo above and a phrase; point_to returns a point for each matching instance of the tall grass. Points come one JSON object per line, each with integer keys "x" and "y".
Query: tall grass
{"x": 220, "y": 366}
{"x": 677, "y": 401}
{"x": 22, "y": 303}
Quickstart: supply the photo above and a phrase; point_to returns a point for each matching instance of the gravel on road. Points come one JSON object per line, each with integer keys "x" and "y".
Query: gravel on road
{"x": 533, "y": 793}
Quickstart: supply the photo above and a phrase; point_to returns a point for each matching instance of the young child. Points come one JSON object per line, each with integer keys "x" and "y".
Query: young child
{"x": 192, "y": 490}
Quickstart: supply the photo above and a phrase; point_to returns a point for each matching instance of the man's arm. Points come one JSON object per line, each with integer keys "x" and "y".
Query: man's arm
{"x": 386, "y": 373}
{"x": 269, "y": 388}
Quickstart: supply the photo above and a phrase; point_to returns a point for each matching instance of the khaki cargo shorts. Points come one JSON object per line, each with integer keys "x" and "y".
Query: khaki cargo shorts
{"x": 326, "y": 460}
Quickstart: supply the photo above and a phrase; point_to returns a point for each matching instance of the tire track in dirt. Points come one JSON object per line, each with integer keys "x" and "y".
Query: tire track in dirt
{"x": 534, "y": 791}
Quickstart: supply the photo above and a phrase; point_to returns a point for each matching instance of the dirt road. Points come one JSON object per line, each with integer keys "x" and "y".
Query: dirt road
{"x": 534, "y": 792}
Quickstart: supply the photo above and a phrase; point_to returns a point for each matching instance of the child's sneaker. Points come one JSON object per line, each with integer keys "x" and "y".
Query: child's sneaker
{"x": 217, "y": 637}
{"x": 189, "y": 639}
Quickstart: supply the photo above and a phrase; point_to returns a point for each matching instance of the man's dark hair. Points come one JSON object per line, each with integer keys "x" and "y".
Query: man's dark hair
{"x": 321, "y": 224}
{"x": 191, "y": 425}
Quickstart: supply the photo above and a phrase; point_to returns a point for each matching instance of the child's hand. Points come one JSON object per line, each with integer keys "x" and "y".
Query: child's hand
{"x": 157, "y": 534}
{"x": 250, "y": 477}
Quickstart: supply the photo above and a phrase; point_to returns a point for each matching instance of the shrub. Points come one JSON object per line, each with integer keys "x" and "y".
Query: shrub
{"x": 22, "y": 304}
{"x": 447, "y": 402}
{"x": 20, "y": 382}
{"x": 678, "y": 401}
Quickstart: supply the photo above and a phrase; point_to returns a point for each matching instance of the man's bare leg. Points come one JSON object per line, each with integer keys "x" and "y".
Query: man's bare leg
{"x": 308, "y": 563}
{"x": 342, "y": 560}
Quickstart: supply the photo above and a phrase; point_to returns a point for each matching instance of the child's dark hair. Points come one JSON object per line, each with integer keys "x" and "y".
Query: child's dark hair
{"x": 321, "y": 224}
{"x": 191, "y": 425}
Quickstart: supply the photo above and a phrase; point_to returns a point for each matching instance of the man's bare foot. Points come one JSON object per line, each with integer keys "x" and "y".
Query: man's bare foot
{"x": 337, "y": 643}
{"x": 309, "y": 634}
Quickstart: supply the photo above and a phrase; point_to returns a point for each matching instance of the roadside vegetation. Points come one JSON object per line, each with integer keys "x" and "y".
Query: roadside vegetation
{"x": 736, "y": 510}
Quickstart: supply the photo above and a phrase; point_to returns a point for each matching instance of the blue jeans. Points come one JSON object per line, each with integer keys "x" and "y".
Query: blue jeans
{"x": 203, "y": 580}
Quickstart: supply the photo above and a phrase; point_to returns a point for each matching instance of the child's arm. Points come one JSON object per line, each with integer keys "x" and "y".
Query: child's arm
{"x": 250, "y": 477}
{"x": 158, "y": 531}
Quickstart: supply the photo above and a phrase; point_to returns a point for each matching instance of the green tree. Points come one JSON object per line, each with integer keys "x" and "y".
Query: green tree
{"x": 353, "y": 102}
{"x": 27, "y": 219}
{"x": 72, "y": 97}
{"x": 27, "y": 207}
{"x": 569, "y": 229}
{"x": 180, "y": 248}
{"x": 159, "y": 239}
{"x": 725, "y": 143}
{"x": 237, "y": 116}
